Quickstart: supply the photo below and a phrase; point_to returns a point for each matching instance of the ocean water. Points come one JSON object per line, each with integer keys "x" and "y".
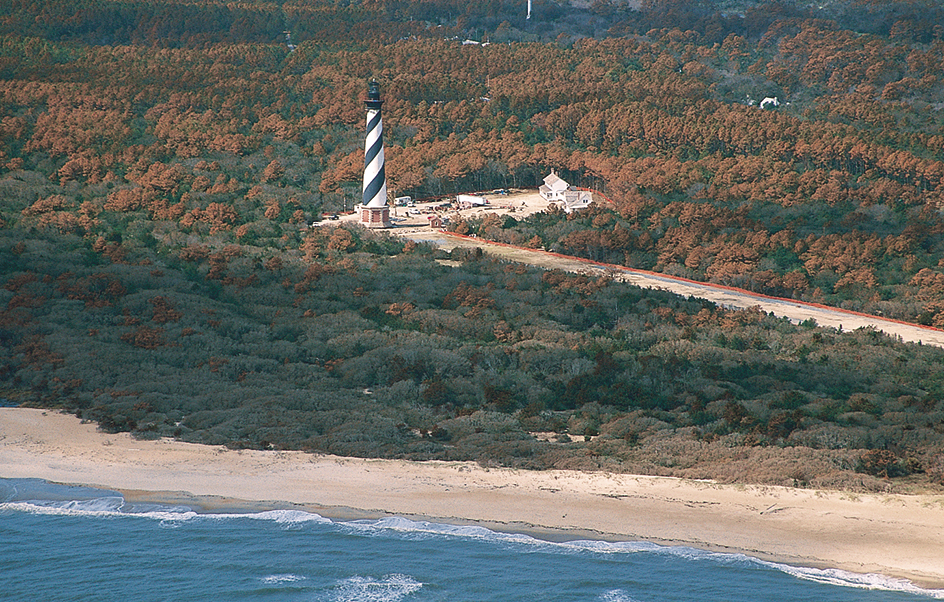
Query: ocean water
{"x": 61, "y": 543}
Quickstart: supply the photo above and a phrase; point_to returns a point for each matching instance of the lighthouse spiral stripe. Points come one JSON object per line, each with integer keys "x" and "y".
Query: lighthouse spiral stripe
{"x": 375, "y": 181}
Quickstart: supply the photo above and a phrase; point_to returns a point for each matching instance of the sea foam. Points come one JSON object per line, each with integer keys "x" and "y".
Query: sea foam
{"x": 115, "y": 505}
{"x": 280, "y": 579}
{"x": 390, "y": 588}
{"x": 616, "y": 595}
{"x": 835, "y": 577}
{"x": 856, "y": 580}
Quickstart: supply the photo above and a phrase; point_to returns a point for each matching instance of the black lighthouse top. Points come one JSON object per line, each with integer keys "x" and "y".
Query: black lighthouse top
{"x": 373, "y": 95}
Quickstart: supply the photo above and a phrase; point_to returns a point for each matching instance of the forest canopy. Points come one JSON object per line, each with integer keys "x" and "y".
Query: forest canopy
{"x": 161, "y": 162}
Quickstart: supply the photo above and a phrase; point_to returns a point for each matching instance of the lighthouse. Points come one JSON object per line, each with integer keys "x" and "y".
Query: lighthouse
{"x": 374, "y": 210}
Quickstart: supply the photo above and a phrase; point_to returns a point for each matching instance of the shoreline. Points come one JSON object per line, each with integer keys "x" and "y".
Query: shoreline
{"x": 209, "y": 504}
{"x": 893, "y": 535}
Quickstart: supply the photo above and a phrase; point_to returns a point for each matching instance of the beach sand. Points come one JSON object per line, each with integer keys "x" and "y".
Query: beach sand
{"x": 895, "y": 535}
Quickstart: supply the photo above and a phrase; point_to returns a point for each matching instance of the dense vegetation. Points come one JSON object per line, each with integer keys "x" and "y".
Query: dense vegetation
{"x": 359, "y": 345}
{"x": 160, "y": 162}
{"x": 833, "y": 197}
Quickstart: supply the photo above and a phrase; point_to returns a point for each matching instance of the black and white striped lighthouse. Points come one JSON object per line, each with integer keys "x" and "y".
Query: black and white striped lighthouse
{"x": 374, "y": 210}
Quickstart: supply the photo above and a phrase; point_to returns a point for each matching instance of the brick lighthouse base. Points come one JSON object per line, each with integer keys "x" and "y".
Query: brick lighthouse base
{"x": 374, "y": 217}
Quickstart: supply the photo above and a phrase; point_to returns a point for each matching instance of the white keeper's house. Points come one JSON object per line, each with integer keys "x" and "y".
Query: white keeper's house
{"x": 556, "y": 190}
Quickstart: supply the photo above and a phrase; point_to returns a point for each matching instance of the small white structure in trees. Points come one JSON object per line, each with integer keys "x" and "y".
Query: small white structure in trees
{"x": 556, "y": 190}
{"x": 769, "y": 102}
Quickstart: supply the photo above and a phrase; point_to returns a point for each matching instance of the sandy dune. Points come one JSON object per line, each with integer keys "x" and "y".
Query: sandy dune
{"x": 889, "y": 534}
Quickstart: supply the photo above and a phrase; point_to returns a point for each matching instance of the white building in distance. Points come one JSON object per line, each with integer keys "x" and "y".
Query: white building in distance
{"x": 556, "y": 190}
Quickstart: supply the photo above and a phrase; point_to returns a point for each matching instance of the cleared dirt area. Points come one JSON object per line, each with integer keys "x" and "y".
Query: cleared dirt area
{"x": 519, "y": 203}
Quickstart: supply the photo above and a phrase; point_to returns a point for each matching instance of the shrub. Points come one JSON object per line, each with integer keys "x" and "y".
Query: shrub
{"x": 881, "y": 463}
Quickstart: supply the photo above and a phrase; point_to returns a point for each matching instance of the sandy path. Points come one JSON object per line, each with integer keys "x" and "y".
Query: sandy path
{"x": 726, "y": 297}
{"x": 522, "y": 204}
{"x": 889, "y": 534}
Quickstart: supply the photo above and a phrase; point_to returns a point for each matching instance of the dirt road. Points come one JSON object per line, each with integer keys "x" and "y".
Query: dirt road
{"x": 413, "y": 223}
{"x": 724, "y": 296}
